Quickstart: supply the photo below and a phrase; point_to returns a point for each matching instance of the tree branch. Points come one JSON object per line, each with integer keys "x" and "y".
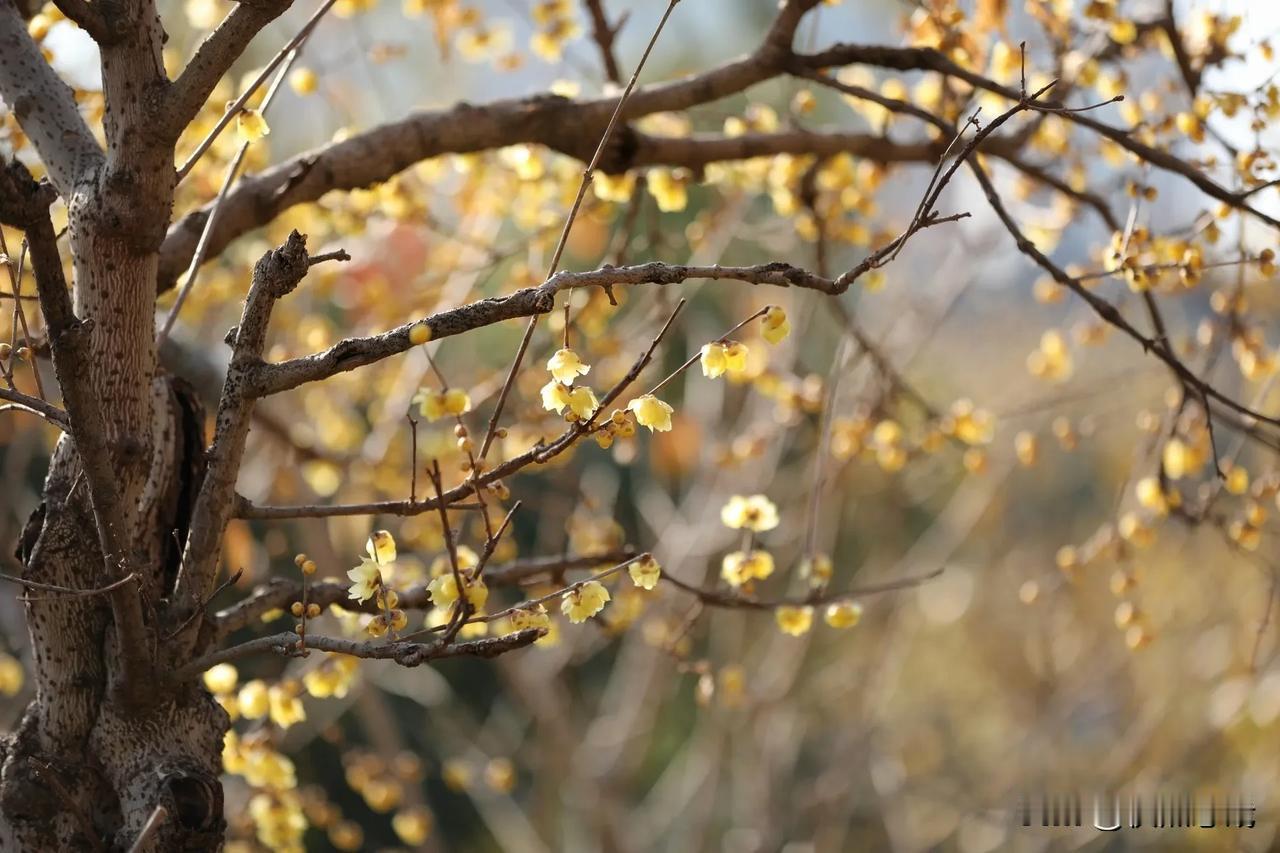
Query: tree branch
{"x": 214, "y": 57}
{"x": 356, "y": 352}
{"x": 44, "y": 105}
{"x": 88, "y": 18}
{"x": 275, "y": 275}
{"x": 35, "y": 405}
{"x": 404, "y": 653}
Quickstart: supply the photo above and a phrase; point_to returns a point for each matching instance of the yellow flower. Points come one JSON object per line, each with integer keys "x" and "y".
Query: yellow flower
{"x": 645, "y": 572}
{"x": 365, "y": 580}
{"x": 529, "y": 617}
{"x": 735, "y": 357}
{"x": 412, "y": 825}
{"x": 582, "y": 603}
{"x": 303, "y": 81}
{"x": 285, "y": 706}
{"x": 565, "y": 366}
{"x": 582, "y": 401}
{"x": 756, "y": 513}
{"x": 843, "y": 614}
{"x": 381, "y": 547}
{"x": 795, "y": 621}
{"x": 720, "y": 357}
{"x": 444, "y": 591}
{"x": 670, "y": 188}
{"x": 652, "y": 413}
{"x": 434, "y": 405}
{"x": 251, "y": 126}
{"x": 817, "y": 569}
{"x": 1053, "y": 359}
{"x": 739, "y": 567}
{"x": 613, "y": 187}
{"x": 457, "y": 401}
{"x": 221, "y": 678}
{"x": 11, "y": 675}
{"x": 714, "y": 362}
{"x": 253, "y": 700}
{"x": 1151, "y": 496}
{"x": 776, "y": 325}
{"x": 331, "y": 678}
{"x": 555, "y": 396}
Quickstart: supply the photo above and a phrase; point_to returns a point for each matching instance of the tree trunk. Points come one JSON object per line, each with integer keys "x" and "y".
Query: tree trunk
{"x": 91, "y": 762}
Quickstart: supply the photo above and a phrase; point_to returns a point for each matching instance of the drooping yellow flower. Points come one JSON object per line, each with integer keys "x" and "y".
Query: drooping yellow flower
{"x": 754, "y": 512}
{"x": 617, "y": 188}
{"x": 817, "y": 569}
{"x": 843, "y": 614}
{"x": 714, "y": 362}
{"x": 739, "y": 567}
{"x": 722, "y": 357}
{"x": 529, "y": 617}
{"x": 669, "y": 188}
{"x": 11, "y": 675}
{"x": 444, "y": 591}
{"x": 434, "y": 405}
{"x": 583, "y": 602}
{"x": 457, "y": 401}
{"x": 333, "y": 677}
{"x": 251, "y": 126}
{"x": 303, "y": 81}
{"x": 582, "y": 402}
{"x": 412, "y": 825}
{"x": 776, "y": 325}
{"x": 555, "y": 396}
{"x": 253, "y": 700}
{"x": 381, "y": 547}
{"x": 285, "y": 706}
{"x": 795, "y": 621}
{"x": 645, "y": 572}
{"x": 652, "y": 413}
{"x": 1052, "y": 360}
{"x": 566, "y": 366}
{"x": 1151, "y": 496}
{"x": 221, "y": 678}
{"x": 365, "y": 580}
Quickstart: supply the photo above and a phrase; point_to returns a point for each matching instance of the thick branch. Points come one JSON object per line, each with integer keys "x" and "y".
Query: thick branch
{"x": 25, "y": 204}
{"x": 88, "y": 17}
{"x": 275, "y": 275}
{"x": 44, "y": 105}
{"x": 403, "y": 653}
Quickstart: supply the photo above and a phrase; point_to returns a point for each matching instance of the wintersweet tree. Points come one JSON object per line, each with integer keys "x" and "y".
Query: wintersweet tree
{"x": 135, "y": 217}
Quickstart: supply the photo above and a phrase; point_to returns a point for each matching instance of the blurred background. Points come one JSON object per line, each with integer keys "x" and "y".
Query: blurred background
{"x": 1059, "y": 650}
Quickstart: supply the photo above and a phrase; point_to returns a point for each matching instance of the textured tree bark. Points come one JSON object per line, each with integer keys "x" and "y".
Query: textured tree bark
{"x": 107, "y": 741}
{"x": 95, "y": 756}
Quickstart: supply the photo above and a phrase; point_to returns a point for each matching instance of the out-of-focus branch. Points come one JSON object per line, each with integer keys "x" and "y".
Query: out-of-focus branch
{"x": 214, "y": 57}
{"x": 44, "y": 105}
